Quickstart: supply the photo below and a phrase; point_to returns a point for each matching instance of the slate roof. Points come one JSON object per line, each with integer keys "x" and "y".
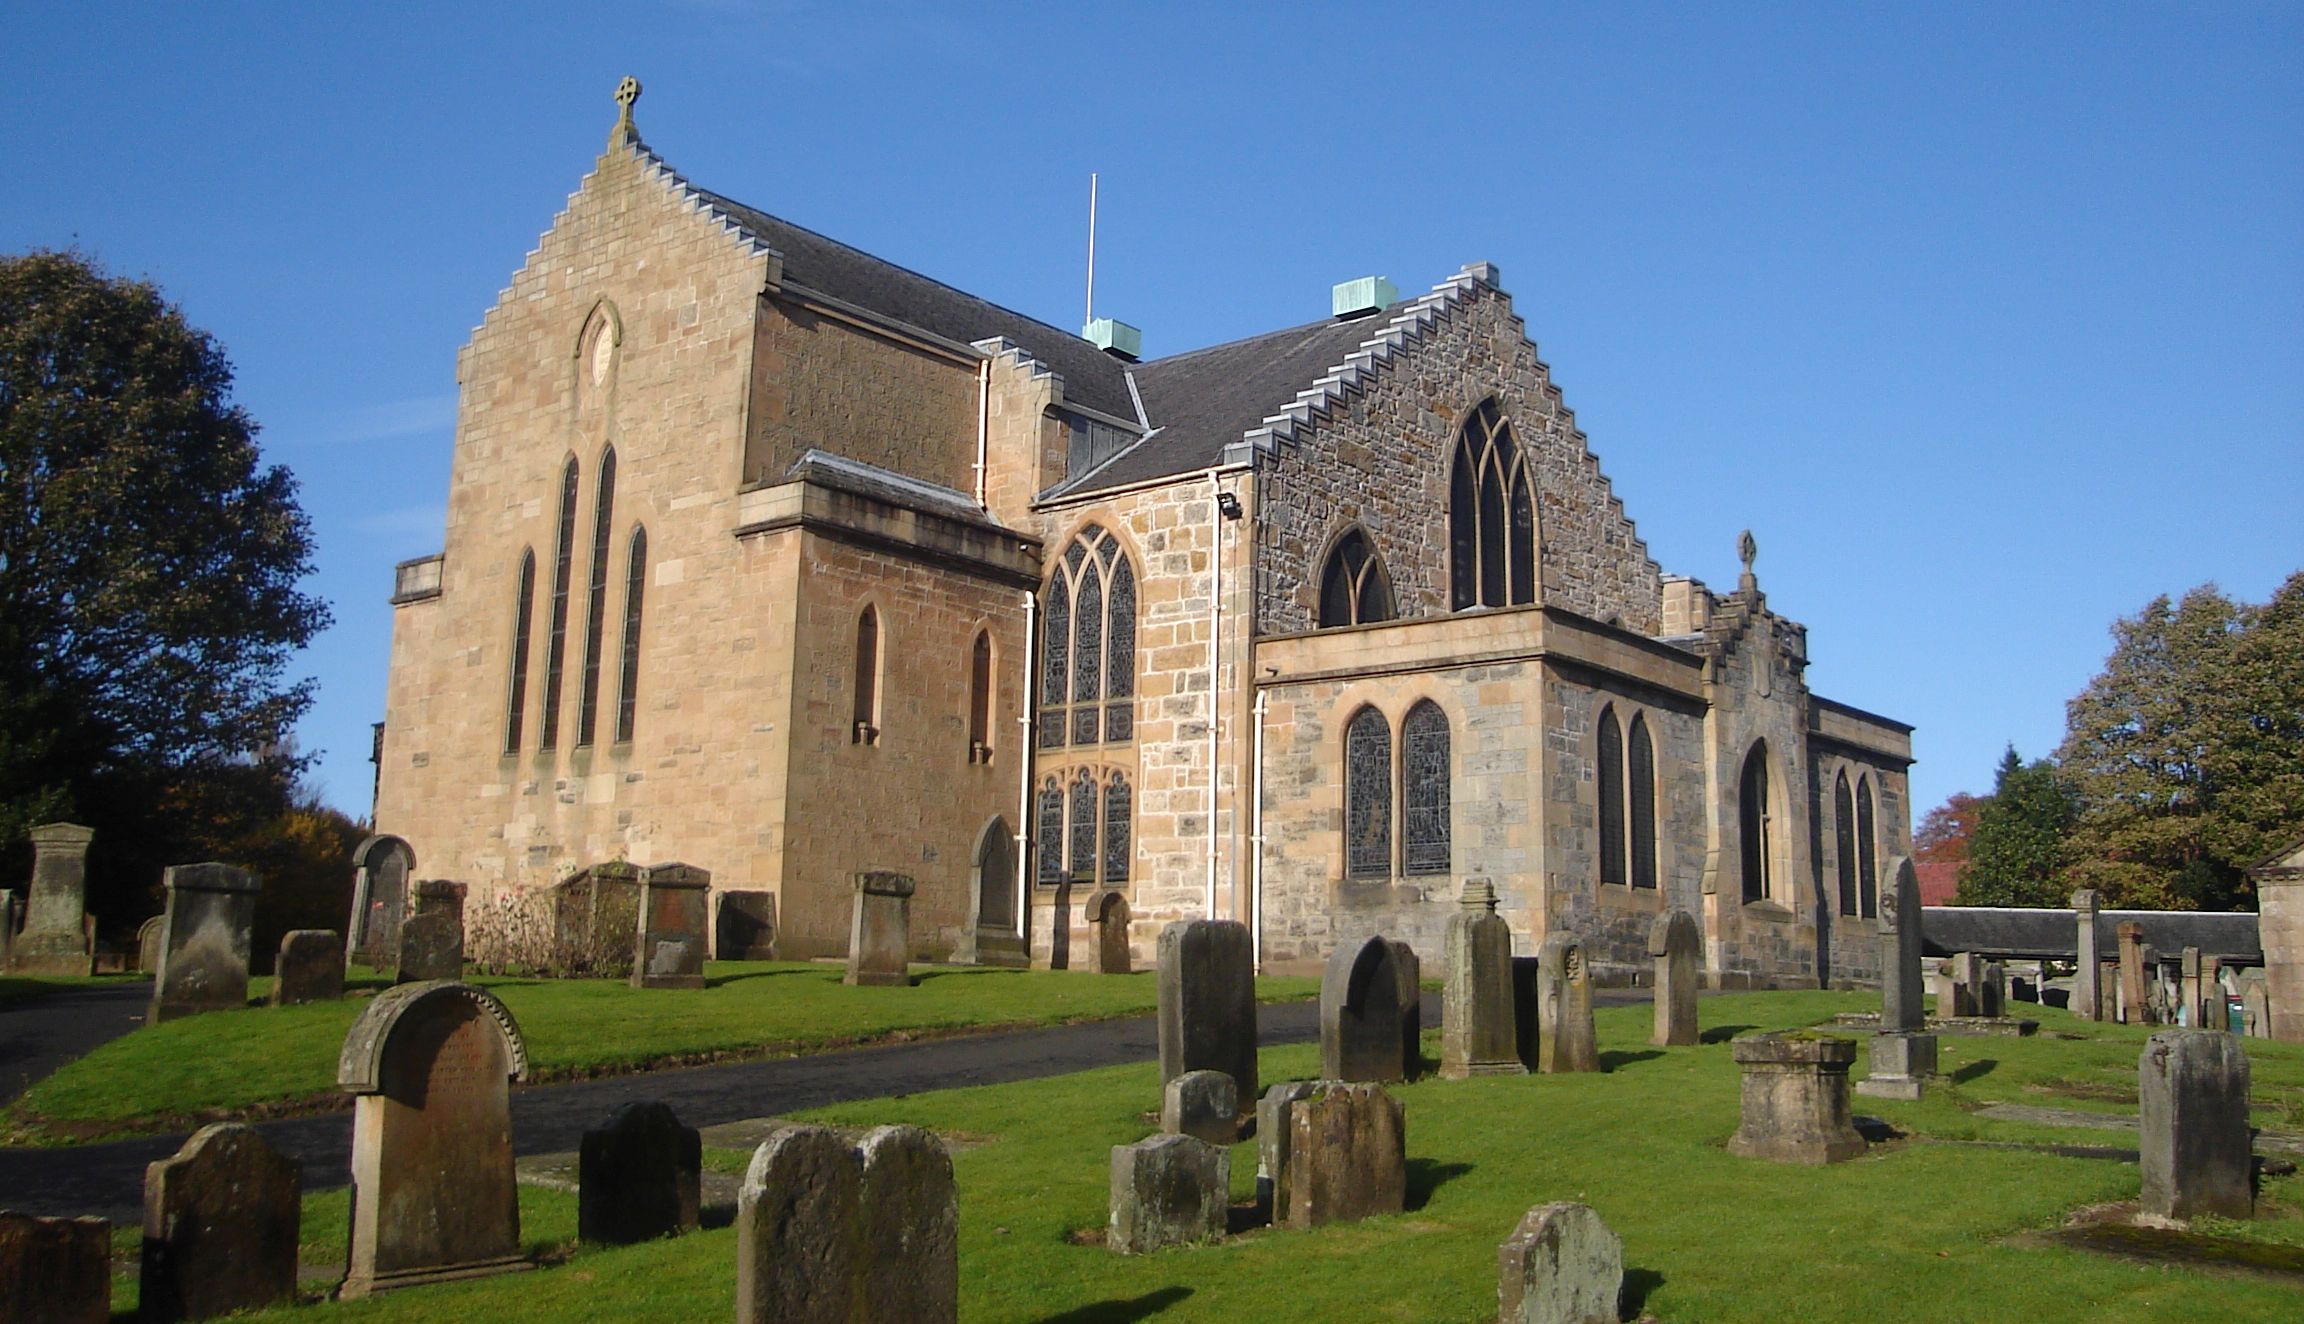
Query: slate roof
{"x": 2006, "y": 931}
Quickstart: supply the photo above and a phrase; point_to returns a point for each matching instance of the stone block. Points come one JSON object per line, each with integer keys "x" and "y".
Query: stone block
{"x": 1360, "y": 1013}
{"x": 675, "y": 907}
{"x": 639, "y": 1177}
{"x": 221, "y": 1225}
{"x": 1202, "y": 1104}
{"x": 1479, "y": 1034}
{"x": 55, "y": 1270}
{"x": 1207, "y": 1001}
{"x": 747, "y": 927}
{"x": 880, "y": 930}
{"x": 1169, "y": 1190}
{"x": 1677, "y": 945}
{"x": 2194, "y": 1147}
{"x": 54, "y": 940}
{"x": 1902, "y": 1065}
{"x": 310, "y": 968}
{"x": 1561, "y": 1265}
{"x": 830, "y": 1232}
{"x": 1273, "y": 1132}
{"x": 1347, "y": 1154}
{"x": 1795, "y": 1098}
{"x": 204, "y": 955}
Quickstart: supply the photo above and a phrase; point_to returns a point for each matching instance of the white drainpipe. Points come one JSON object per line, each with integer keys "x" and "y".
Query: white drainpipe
{"x": 983, "y": 425}
{"x": 1215, "y": 626}
{"x": 1024, "y": 776}
{"x": 1256, "y": 842}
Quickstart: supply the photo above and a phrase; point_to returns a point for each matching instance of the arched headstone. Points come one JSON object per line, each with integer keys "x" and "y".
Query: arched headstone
{"x": 1677, "y": 944}
{"x": 381, "y": 868}
{"x": 221, "y": 1221}
{"x": 1109, "y": 916}
{"x": 1360, "y": 1020}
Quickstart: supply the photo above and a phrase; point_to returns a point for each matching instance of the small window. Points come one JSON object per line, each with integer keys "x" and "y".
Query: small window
{"x": 980, "y": 699}
{"x": 628, "y": 677}
{"x": 1353, "y": 590}
{"x": 1844, "y": 844}
{"x": 864, "y": 728}
{"x": 1867, "y": 857}
{"x": 1756, "y": 825}
{"x": 1048, "y": 833}
{"x": 1611, "y": 776}
{"x": 556, "y": 646}
{"x": 1424, "y": 773}
{"x": 523, "y": 618}
{"x": 1368, "y": 795}
{"x": 596, "y": 609}
{"x": 1643, "y": 776}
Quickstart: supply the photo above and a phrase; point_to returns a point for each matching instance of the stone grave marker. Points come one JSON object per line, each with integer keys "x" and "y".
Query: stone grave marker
{"x": 1272, "y": 1136}
{"x": 54, "y": 940}
{"x": 1564, "y": 1008}
{"x": 431, "y": 949}
{"x": 1992, "y": 991}
{"x": 1168, "y": 1190}
{"x": 1478, "y": 1033}
{"x": 2135, "y": 994}
{"x": 1677, "y": 944}
{"x": 2256, "y": 1006}
{"x": 204, "y": 953}
{"x": 1903, "y": 1054}
{"x": 747, "y": 927}
{"x": 1347, "y": 1154}
{"x": 8, "y": 907}
{"x": 675, "y": 903}
{"x": 880, "y": 930}
{"x": 1960, "y": 994}
{"x": 830, "y": 1232}
{"x": 429, "y": 1066}
{"x": 310, "y": 968}
{"x": 1108, "y": 918}
{"x": 381, "y": 868}
{"x": 149, "y": 935}
{"x": 1207, "y": 1001}
{"x": 1561, "y": 1265}
{"x": 2087, "y": 986}
{"x": 2195, "y": 1144}
{"x": 221, "y": 1223}
{"x": 1527, "y": 980}
{"x": 55, "y": 1270}
{"x": 2215, "y": 1009}
{"x": 2108, "y": 992}
{"x": 1202, "y": 1104}
{"x": 1360, "y": 1015}
{"x": 639, "y": 1177}
{"x": 1795, "y": 1098}
{"x": 1410, "y": 967}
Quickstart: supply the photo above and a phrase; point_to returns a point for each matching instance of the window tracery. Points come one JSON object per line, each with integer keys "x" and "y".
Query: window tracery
{"x": 1353, "y": 587}
{"x": 1088, "y": 648}
{"x": 1491, "y": 516}
{"x": 1368, "y": 795}
{"x": 556, "y": 646}
{"x": 596, "y": 607}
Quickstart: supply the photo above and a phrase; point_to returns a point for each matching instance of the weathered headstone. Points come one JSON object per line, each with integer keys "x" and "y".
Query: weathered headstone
{"x": 2195, "y": 1143}
{"x": 675, "y": 903}
{"x": 1564, "y": 1008}
{"x": 2087, "y": 990}
{"x": 1202, "y": 1104}
{"x": 1360, "y": 1021}
{"x": 2256, "y": 1006}
{"x": 1561, "y": 1265}
{"x": 747, "y": 928}
{"x": 880, "y": 930}
{"x": 1528, "y": 1036}
{"x": 2215, "y": 1008}
{"x": 204, "y": 955}
{"x": 1961, "y": 994}
{"x": 221, "y": 1221}
{"x": 2108, "y": 992}
{"x": 2188, "y": 996}
{"x": 1677, "y": 945}
{"x": 1410, "y": 967}
{"x": 1347, "y": 1154}
{"x": 54, "y": 940}
{"x": 2135, "y": 995}
{"x": 1207, "y": 1001}
{"x": 439, "y": 896}
{"x": 149, "y": 937}
{"x": 431, "y": 949}
{"x": 430, "y": 1066}
{"x": 1992, "y": 991}
{"x": 595, "y": 915}
{"x": 830, "y": 1232}
{"x": 310, "y": 967}
{"x": 639, "y": 1177}
{"x": 1273, "y": 1130}
{"x": 1902, "y": 1009}
{"x": 1109, "y": 916}
{"x": 1795, "y": 1098}
{"x": 381, "y": 868}
{"x": 1478, "y": 1034}
{"x": 1168, "y": 1190}
{"x": 55, "y": 1270}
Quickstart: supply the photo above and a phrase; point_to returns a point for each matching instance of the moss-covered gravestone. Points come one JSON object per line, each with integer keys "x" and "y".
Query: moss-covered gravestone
{"x": 639, "y": 1177}
{"x": 204, "y": 941}
{"x": 221, "y": 1221}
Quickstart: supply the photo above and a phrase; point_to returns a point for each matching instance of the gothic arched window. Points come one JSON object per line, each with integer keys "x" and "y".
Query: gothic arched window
{"x": 1048, "y": 833}
{"x": 596, "y": 609}
{"x": 1353, "y": 590}
{"x": 864, "y": 727}
{"x": 1368, "y": 795}
{"x": 1088, "y": 649}
{"x": 523, "y": 619}
{"x": 556, "y": 646}
{"x": 1867, "y": 859}
{"x": 995, "y": 877}
{"x": 1426, "y": 847}
{"x": 1754, "y": 824}
{"x": 1118, "y": 806}
{"x": 1080, "y": 862}
{"x": 1844, "y": 843}
{"x": 1643, "y": 777}
{"x": 1611, "y": 773}
{"x": 1491, "y": 516}
{"x": 628, "y": 671}
{"x": 980, "y": 699}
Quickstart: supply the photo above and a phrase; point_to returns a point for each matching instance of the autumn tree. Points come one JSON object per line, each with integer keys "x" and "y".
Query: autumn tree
{"x": 2017, "y": 849}
{"x": 1946, "y": 830}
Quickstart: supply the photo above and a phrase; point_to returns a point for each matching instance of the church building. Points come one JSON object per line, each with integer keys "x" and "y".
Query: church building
{"x": 777, "y": 559}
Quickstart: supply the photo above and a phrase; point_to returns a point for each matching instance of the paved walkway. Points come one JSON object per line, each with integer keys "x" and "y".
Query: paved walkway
{"x": 38, "y": 1035}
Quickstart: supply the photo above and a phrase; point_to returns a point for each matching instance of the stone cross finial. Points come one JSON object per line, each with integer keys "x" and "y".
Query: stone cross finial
{"x": 1747, "y": 551}
{"x": 627, "y": 92}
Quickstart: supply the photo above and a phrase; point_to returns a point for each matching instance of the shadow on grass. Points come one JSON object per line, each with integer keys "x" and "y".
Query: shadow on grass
{"x": 1123, "y": 1312}
{"x": 722, "y": 981}
{"x": 1720, "y": 1034}
{"x": 1615, "y": 1059}
{"x": 1638, "y": 1283}
{"x": 957, "y": 972}
{"x": 1428, "y": 1175}
{"x": 1980, "y": 1067}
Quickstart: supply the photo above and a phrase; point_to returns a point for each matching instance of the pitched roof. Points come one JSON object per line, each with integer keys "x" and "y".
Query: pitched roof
{"x": 1999, "y": 931}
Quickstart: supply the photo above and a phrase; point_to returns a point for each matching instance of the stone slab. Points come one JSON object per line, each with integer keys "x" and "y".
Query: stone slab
{"x": 204, "y": 951}
{"x": 55, "y": 1270}
{"x": 639, "y": 1177}
{"x": 1207, "y": 1001}
{"x": 1168, "y": 1190}
{"x": 880, "y": 930}
{"x": 1561, "y": 1265}
{"x": 221, "y": 1225}
{"x": 310, "y": 968}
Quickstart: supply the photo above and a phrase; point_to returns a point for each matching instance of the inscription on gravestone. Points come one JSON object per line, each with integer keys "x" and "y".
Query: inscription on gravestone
{"x": 1564, "y": 1007}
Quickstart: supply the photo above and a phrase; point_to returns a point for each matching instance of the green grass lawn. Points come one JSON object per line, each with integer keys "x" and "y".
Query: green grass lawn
{"x": 1918, "y": 1229}
{"x": 264, "y": 1060}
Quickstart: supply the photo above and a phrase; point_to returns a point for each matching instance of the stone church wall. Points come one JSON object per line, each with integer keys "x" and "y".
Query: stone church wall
{"x": 825, "y": 383}
{"x": 1756, "y": 693}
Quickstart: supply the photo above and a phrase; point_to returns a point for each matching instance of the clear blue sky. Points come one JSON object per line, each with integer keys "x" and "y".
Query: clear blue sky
{"x": 1988, "y": 320}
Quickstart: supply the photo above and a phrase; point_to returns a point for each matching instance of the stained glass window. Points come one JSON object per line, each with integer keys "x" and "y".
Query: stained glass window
{"x": 1491, "y": 516}
{"x": 1082, "y": 861}
{"x": 1048, "y": 833}
{"x": 1867, "y": 860}
{"x": 1353, "y": 590}
{"x": 1088, "y": 656}
{"x": 1844, "y": 843}
{"x": 1055, "y": 668}
{"x": 635, "y": 584}
{"x": 596, "y": 605}
{"x": 556, "y": 645}
{"x": 1118, "y": 804}
{"x": 1611, "y": 777}
{"x": 1643, "y": 778}
{"x": 1368, "y": 795}
{"x": 1120, "y": 653}
{"x": 1424, "y": 775}
{"x": 1753, "y": 823}
{"x": 523, "y": 617}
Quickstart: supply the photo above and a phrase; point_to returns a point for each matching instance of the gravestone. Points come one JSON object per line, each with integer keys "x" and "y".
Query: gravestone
{"x": 2135, "y": 995}
{"x": 1410, "y": 968}
{"x": 204, "y": 950}
{"x": 1795, "y": 1098}
{"x": 638, "y": 1177}
{"x": 310, "y": 968}
{"x": 2256, "y": 1006}
{"x": 829, "y": 1232}
{"x": 2188, "y": 990}
{"x": 1677, "y": 944}
{"x": 1108, "y": 917}
{"x": 55, "y": 1270}
{"x": 1478, "y": 1033}
{"x": 1561, "y": 1265}
{"x": 439, "y": 896}
{"x": 747, "y": 927}
{"x": 880, "y": 930}
{"x": 429, "y": 1066}
{"x": 1360, "y": 1018}
{"x": 2087, "y": 988}
{"x": 1168, "y": 1190}
{"x": 7, "y": 924}
{"x": 1272, "y": 1135}
{"x": 1202, "y": 1104}
{"x": 2194, "y": 1147}
{"x": 595, "y": 917}
{"x": 381, "y": 868}
{"x": 2108, "y": 992}
{"x": 149, "y": 935}
{"x": 675, "y": 903}
{"x": 1992, "y": 991}
{"x": 1903, "y": 1054}
{"x": 1564, "y": 1008}
{"x": 221, "y": 1223}
{"x": 1347, "y": 1154}
{"x": 431, "y": 949}
{"x": 1207, "y": 1001}
{"x": 2215, "y": 1009}
{"x": 1527, "y": 980}
{"x": 1960, "y": 994}
{"x": 54, "y": 940}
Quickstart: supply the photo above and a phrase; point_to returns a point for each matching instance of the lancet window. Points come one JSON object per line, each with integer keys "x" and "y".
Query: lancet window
{"x": 1756, "y": 825}
{"x": 1426, "y": 847}
{"x": 1368, "y": 795}
{"x": 1844, "y": 843}
{"x": 556, "y": 645}
{"x": 523, "y": 620}
{"x": 1643, "y": 825}
{"x": 596, "y": 609}
{"x": 628, "y": 679}
{"x": 864, "y": 719}
{"x": 1867, "y": 850}
{"x": 1353, "y": 589}
{"x": 1491, "y": 516}
{"x": 980, "y": 699}
{"x": 1088, "y": 648}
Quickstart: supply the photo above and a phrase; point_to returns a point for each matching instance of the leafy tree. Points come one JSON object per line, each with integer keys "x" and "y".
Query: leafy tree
{"x": 150, "y": 567}
{"x": 1944, "y": 834}
{"x": 2014, "y": 855}
{"x": 2255, "y": 735}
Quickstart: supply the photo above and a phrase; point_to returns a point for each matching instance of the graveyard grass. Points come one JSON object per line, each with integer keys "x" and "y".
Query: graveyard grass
{"x": 266, "y": 1061}
{"x": 1921, "y": 1228}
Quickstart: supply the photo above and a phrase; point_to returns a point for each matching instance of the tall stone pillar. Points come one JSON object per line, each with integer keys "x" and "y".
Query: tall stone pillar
{"x": 55, "y": 937}
{"x": 2087, "y": 989}
{"x": 1903, "y": 1055}
{"x": 2280, "y": 926}
{"x": 2135, "y": 997}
